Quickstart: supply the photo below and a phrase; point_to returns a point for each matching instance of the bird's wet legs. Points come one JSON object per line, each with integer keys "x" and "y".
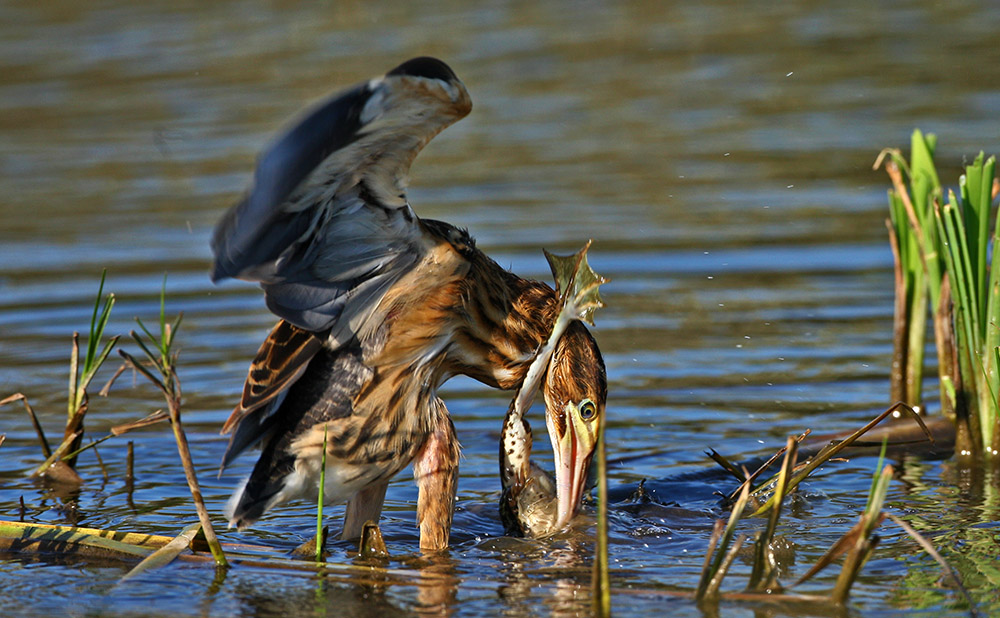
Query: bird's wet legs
{"x": 364, "y": 506}
{"x": 435, "y": 470}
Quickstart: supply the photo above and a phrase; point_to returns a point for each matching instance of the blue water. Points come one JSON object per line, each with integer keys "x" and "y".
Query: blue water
{"x": 720, "y": 158}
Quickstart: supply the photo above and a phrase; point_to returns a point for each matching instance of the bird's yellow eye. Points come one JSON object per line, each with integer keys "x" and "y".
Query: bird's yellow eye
{"x": 588, "y": 410}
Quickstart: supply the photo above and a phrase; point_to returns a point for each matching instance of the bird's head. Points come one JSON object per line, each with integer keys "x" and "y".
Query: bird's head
{"x": 575, "y": 391}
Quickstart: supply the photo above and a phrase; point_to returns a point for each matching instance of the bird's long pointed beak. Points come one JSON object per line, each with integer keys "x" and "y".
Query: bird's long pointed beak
{"x": 573, "y": 442}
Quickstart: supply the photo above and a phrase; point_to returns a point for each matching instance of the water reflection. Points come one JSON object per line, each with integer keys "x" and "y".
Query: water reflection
{"x": 562, "y": 584}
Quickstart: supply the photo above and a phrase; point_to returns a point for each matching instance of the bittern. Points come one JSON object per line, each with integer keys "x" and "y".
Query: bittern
{"x": 378, "y": 307}
{"x": 531, "y": 503}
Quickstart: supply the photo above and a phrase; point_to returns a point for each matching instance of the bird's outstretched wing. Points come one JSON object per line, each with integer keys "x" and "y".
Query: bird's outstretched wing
{"x": 326, "y": 228}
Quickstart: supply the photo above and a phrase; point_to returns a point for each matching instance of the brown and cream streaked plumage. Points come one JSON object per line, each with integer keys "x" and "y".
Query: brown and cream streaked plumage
{"x": 378, "y": 308}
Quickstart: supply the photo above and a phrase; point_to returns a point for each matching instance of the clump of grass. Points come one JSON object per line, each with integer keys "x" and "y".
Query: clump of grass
{"x": 942, "y": 250}
{"x": 60, "y": 463}
{"x": 160, "y": 354}
{"x": 919, "y": 269}
{"x": 856, "y": 546}
{"x": 964, "y": 223}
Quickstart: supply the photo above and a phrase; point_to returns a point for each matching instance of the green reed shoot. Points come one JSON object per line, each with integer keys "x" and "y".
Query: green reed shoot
{"x": 714, "y": 570}
{"x": 319, "y": 501}
{"x": 81, "y": 377}
{"x": 92, "y": 361}
{"x": 914, "y": 238}
{"x": 963, "y": 221}
{"x": 164, "y": 361}
{"x": 942, "y": 249}
{"x": 601, "y": 584}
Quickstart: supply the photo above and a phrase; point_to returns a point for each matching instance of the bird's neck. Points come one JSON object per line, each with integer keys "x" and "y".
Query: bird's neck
{"x": 507, "y": 319}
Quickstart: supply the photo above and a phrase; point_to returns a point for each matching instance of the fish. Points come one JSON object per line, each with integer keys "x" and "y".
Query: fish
{"x": 532, "y": 504}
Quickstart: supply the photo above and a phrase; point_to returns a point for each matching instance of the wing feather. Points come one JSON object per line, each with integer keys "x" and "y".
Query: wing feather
{"x": 280, "y": 362}
{"x": 326, "y": 228}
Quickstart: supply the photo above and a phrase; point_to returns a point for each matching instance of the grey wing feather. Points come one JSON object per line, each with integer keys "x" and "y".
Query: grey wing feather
{"x": 256, "y": 232}
{"x": 326, "y": 228}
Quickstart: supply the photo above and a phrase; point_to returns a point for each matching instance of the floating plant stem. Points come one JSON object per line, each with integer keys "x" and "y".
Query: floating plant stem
{"x": 58, "y": 465}
{"x": 166, "y": 554}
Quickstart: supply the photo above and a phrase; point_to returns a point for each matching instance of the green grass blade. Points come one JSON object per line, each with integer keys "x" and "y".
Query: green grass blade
{"x": 75, "y": 396}
{"x": 174, "y": 328}
{"x": 922, "y": 149}
{"x": 601, "y": 580}
{"x": 865, "y": 542}
{"x": 148, "y": 334}
{"x": 967, "y": 272}
{"x": 134, "y": 362}
{"x": 319, "y": 501}
{"x": 91, "y": 342}
{"x": 90, "y": 372}
{"x": 958, "y": 274}
{"x": 762, "y": 575}
{"x": 153, "y": 358}
{"x": 878, "y": 466}
{"x": 715, "y": 571}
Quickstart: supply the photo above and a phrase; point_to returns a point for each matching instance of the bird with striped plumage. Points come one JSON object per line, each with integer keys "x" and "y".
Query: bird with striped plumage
{"x": 377, "y": 309}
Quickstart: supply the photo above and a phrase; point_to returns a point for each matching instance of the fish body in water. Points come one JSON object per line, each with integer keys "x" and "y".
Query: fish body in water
{"x": 534, "y": 503}
{"x": 529, "y": 504}
{"x": 571, "y": 373}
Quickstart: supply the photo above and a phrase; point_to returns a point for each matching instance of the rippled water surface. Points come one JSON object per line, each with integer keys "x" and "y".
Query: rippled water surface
{"x": 719, "y": 157}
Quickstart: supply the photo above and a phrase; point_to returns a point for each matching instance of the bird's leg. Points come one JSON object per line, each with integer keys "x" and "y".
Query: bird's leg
{"x": 435, "y": 470}
{"x": 364, "y": 506}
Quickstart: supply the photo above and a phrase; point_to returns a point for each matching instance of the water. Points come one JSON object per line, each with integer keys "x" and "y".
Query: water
{"x": 719, "y": 157}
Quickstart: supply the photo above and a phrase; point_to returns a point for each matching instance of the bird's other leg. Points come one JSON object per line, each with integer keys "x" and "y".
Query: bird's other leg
{"x": 364, "y": 506}
{"x": 435, "y": 470}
